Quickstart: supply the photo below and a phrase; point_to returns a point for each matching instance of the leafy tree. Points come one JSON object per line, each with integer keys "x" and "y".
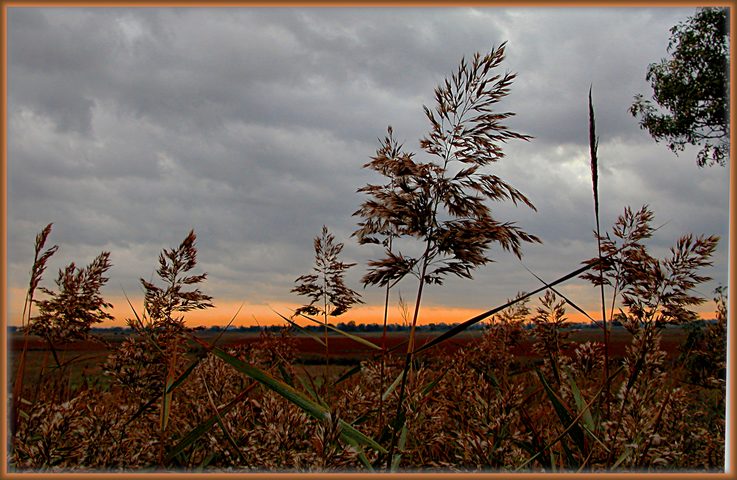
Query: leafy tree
{"x": 693, "y": 86}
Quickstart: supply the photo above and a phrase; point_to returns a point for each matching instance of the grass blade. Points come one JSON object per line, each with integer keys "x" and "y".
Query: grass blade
{"x": 348, "y": 374}
{"x": 305, "y": 331}
{"x": 285, "y": 374}
{"x": 166, "y": 401}
{"x": 392, "y": 386}
{"x": 184, "y": 374}
{"x": 397, "y": 459}
{"x": 226, "y": 432}
{"x": 563, "y": 414}
{"x": 355, "y": 338}
{"x": 588, "y": 426}
{"x": 308, "y": 406}
{"x": 205, "y": 426}
{"x": 574, "y": 422}
{"x": 567, "y": 300}
{"x": 580, "y": 404}
{"x": 627, "y": 452}
{"x": 428, "y": 388}
{"x": 472, "y": 321}
{"x": 310, "y": 388}
{"x": 593, "y": 147}
{"x": 232, "y": 319}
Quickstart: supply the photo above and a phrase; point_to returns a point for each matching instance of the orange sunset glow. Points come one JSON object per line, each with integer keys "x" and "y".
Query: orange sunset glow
{"x": 247, "y": 314}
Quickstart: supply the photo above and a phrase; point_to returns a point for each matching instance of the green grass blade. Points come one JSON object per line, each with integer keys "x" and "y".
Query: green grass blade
{"x": 305, "y": 331}
{"x": 205, "y": 426}
{"x": 272, "y": 383}
{"x": 226, "y": 432}
{"x": 285, "y": 374}
{"x": 580, "y": 403}
{"x": 397, "y": 459}
{"x": 589, "y": 426}
{"x": 563, "y": 414}
{"x": 428, "y": 388}
{"x": 166, "y": 400}
{"x": 565, "y": 432}
{"x": 207, "y": 460}
{"x": 184, "y": 374}
{"x": 308, "y": 406}
{"x": 355, "y": 338}
{"x": 622, "y": 458}
{"x": 361, "y": 454}
{"x": 349, "y": 432}
{"x": 308, "y": 386}
{"x": 392, "y": 386}
{"x": 348, "y": 374}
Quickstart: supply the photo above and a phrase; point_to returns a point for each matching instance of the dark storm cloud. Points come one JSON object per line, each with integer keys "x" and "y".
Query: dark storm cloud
{"x": 128, "y": 127}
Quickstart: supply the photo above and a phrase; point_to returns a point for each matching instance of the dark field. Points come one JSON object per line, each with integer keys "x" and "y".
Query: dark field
{"x": 86, "y": 357}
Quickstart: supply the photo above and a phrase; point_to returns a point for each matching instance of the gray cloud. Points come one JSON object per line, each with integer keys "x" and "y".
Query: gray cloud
{"x": 128, "y": 127}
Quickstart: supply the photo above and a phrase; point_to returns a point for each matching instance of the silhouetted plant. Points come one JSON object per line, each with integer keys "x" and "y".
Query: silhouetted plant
{"x": 653, "y": 292}
{"x": 442, "y": 203}
{"x": 149, "y": 367}
{"x": 141, "y": 365}
{"x": 161, "y": 303}
{"x": 40, "y": 258}
{"x": 388, "y": 157}
{"x": 69, "y": 313}
{"x": 705, "y": 350}
{"x": 39, "y": 267}
{"x": 691, "y": 89}
{"x": 329, "y": 295}
{"x": 549, "y": 321}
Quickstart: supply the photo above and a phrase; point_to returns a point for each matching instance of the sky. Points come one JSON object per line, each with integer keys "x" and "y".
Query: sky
{"x": 129, "y": 127}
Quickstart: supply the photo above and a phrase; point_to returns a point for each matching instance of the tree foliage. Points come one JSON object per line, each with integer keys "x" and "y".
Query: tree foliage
{"x": 693, "y": 88}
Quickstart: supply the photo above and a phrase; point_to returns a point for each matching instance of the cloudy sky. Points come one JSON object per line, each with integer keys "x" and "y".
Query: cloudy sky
{"x": 129, "y": 127}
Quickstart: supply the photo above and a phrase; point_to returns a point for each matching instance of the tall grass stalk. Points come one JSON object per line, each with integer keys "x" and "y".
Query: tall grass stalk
{"x": 328, "y": 294}
{"x": 593, "y": 147}
{"x": 40, "y": 258}
{"x": 442, "y": 203}
{"x": 383, "y": 343}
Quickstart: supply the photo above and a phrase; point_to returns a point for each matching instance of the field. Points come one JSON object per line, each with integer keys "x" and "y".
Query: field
{"x": 89, "y": 356}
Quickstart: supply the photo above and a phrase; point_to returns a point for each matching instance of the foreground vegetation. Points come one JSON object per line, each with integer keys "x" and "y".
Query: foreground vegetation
{"x": 477, "y": 410}
{"x": 172, "y": 400}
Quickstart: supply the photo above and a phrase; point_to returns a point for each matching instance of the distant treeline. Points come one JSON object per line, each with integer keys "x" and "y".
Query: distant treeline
{"x": 354, "y": 327}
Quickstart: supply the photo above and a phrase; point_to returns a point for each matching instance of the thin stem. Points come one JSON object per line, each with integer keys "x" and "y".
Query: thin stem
{"x": 325, "y": 316}
{"x": 383, "y": 347}
{"x": 408, "y": 358}
{"x": 593, "y": 144}
{"x": 607, "y": 392}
